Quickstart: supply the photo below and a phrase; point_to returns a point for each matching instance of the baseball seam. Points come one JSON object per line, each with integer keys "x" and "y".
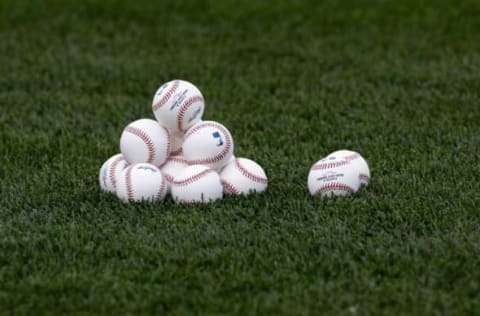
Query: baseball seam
{"x": 160, "y": 193}
{"x": 184, "y": 107}
{"x": 351, "y": 157}
{"x": 364, "y": 177}
{"x": 168, "y": 177}
{"x": 230, "y": 187}
{"x": 177, "y": 160}
{"x": 328, "y": 165}
{"x": 216, "y": 158}
{"x": 169, "y": 143}
{"x": 128, "y": 183}
{"x": 334, "y": 186}
{"x": 146, "y": 139}
{"x": 177, "y": 152}
{"x": 250, "y": 175}
{"x": 111, "y": 175}
{"x": 168, "y": 94}
{"x": 193, "y": 178}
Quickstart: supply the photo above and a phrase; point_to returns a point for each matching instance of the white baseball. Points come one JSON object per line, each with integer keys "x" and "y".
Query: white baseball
{"x": 333, "y": 176}
{"x": 208, "y": 143}
{"x": 172, "y": 168}
{"x": 145, "y": 140}
{"x": 197, "y": 184}
{"x": 178, "y": 104}
{"x": 358, "y": 162}
{"x": 141, "y": 182}
{"x": 107, "y": 177}
{"x": 243, "y": 176}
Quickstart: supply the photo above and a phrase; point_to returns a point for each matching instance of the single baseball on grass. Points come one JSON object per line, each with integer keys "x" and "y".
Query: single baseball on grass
{"x": 178, "y": 104}
{"x": 208, "y": 143}
{"x": 111, "y": 168}
{"x": 141, "y": 182}
{"x": 145, "y": 140}
{"x": 197, "y": 184}
{"x": 243, "y": 176}
{"x": 357, "y": 161}
{"x": 172, "y": 168}
{"x": 333, "y": 176}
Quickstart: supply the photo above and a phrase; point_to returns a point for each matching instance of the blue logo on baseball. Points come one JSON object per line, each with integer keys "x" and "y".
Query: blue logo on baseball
{"x": 217, "y": 135}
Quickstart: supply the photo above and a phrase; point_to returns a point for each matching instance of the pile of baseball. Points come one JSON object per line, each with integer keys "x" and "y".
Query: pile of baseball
{"x": 341, "y": 173}
{"x": 179, "y": 154}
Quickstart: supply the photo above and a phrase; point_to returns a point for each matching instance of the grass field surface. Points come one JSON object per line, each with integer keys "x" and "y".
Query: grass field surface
{"x": 397, "y": 81}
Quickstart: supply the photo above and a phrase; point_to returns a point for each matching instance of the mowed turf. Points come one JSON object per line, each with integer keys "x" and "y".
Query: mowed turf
{"x": 398, "y": 81}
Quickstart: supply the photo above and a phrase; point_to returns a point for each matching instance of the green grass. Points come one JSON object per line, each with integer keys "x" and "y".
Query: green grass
{"x": 398, "y": 81}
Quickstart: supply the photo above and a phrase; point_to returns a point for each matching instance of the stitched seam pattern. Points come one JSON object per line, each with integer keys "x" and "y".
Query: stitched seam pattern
{"x": 128, "y": 181}
{"x": 168, "y": 177}
{"x": 216, "y": 158}
{"x": 178, "y": 160}
{"x": 177, "y": 152}
{"x": 159, "y": 194}
{"x": 192, "y": 179}
{"x": 229, "y": 187}
{"x": 168, "y": 94}
{"x": 334, "y": 186}
{"x": 364, "y": 177}
{"x": 248, "y": 174}
{"x": 351, "y": 157}
{"x": 111, "y": 175}
{"x": 169, "y": 143}
{"x": 146, "y": 139}
{"x": 328, "y": 165}
{"x": 184, "y": 107}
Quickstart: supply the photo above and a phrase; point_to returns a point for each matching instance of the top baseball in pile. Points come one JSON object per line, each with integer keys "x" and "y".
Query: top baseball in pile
{"x": 178, "y": 153}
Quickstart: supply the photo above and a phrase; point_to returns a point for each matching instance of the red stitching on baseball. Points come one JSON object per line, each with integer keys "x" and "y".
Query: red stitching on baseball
{"x": 168, "y": 94}
{"x": 192, "y": 179}
{"x": 128, "y": 181}
{"x": 329, "y": 164}
{"x": 351, "y": 157}
{"x": 221, "y": 155}
{"x": 177, "y": 152}
{"x": 168, "y": 177}
{"x": 160, "y": 193}
{"x": 229, "y": 187}
{"x": 113, "y": 165}
{"x": 184, "y": 107}
{"x": 250, "y": 175}
{"x": 177, "y": 160}
{"x": 169, "y": 143}
{"x": 335, "y": 186}
{"x": 146, "y": 139}
{"x": 364, "y": 177}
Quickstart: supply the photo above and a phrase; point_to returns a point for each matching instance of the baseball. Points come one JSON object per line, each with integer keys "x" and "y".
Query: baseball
{"x": 243, "y": 176}
{"x": 145, "y": 140}
{"x": 357, "y": 161}
{"x": 107, "y": 177}
{"x": 208, "y": 143}
{"x": 172, "y": 168}
{"x": 177, "y": 105}
{"x": 141, "y": 182}
{"x": 333, "y": 176}
{"x": 197, "y": 184}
